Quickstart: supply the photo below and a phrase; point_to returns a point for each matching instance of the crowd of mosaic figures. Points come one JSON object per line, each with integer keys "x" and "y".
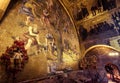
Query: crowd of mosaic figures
{"x": 102, "y": 26}
{"x": 116, "y": 19}
{"x": 101, "y": 5}
{"x": 96, "y": 29}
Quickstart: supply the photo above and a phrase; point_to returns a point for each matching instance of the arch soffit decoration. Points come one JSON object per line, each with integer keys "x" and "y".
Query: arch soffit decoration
{"x": 74, "y": 25}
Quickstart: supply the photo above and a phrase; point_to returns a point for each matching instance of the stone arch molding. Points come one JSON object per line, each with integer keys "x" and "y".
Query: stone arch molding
{"x": 99, "y": 55}
{"x": 100, "y": 46}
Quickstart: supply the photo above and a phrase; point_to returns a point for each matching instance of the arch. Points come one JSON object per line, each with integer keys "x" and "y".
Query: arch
{"x": 99, "y": 54}
{"x": 98, "y": 46}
